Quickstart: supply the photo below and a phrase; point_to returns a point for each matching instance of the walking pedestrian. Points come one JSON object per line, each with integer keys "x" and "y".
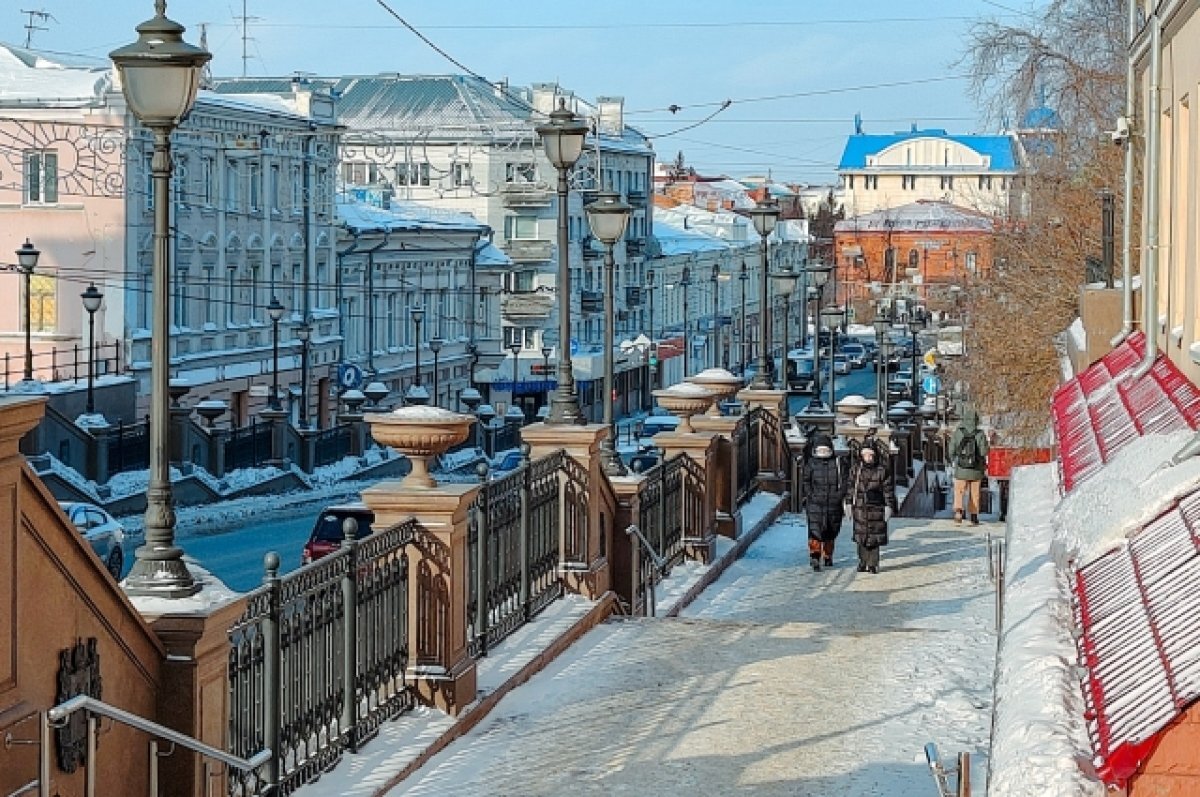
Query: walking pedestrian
{"x": 823, "y": 483}
{"x": 969, "y": 448}
{"x": 872, "y": 500}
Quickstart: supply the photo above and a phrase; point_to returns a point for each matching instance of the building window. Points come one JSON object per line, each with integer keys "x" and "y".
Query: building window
{"x": 947, "y": 182}
{"x": 460, "y": 175}
{"x": 275, "y": 189}
{"x": 412, "y": 174}
{"x": 908, "y": 181}
{"x": 520, "y": 173}
{"x": 148, "y": 182}
{"x": 255, "y": 187}
{"x": 513, "y": 336}
{"x": 972, "y": 258}
{"x": 914, "y": 258}
{"x": 233, "y": 192}
{"x": 850, "y": 181}
{"x": 41, "y": 177}
{"x": 43, "y": 308}
{"x": 363, "y": 173}
{"x": 297, "y": 190}
{"x": 985, "y": 181}
{"x": 208, "y": 295}
{"x": 521, "y": 228}
{"x": 206, "y": 182}
{"x": 870, "y": 181}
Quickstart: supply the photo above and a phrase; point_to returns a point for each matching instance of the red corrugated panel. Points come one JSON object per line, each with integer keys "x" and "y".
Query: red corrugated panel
{"x": 1138, "y": 611}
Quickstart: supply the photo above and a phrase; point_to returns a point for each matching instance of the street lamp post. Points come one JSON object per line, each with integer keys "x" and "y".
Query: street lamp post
{"x": 650, "y": 323}
{"x": 608, "y": 217}
{"x": 743, "y": 276}
{"x": 515, "y": 348}
{"x": 764, "y": 215}
{"x": 562, "y": 138}
{"x": 304, "y": 333}
{"x": 819, "y": 274}
{"x": 881, "y": 324}
{"x": 160, "y": 75}
{"x": 27, "y": 258}
{"x": 275, "y": 311}
{"x": 418, "y": 315}
{"x": 833, "y": 318}
{"x": 714, "y": 327}
{"x": 915, "y": 325}
{"x": 91, "y": 302}
{"x": 685, "y": 282}
{"x": 435, "y": 346}
{"x": 785, "y": 283}
{"x": 546, "y": 352}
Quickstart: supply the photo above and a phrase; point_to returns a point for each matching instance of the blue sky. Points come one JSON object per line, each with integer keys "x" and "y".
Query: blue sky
{"x": 655, "y": 53}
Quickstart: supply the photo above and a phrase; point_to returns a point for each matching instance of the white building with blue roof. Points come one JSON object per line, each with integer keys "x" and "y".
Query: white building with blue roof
{"x": 981, "y": 172}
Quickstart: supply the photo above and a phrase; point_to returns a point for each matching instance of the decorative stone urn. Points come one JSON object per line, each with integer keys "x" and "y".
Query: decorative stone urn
{"x": 683, "y": 401}
{"x": 419, "y": 432}
{"x": 853, "y": 405}
{"x": 723, "y": 385}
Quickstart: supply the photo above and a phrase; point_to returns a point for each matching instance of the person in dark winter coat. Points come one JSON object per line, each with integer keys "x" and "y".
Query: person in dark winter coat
{"x": 872, "y": 499}
{"x": 969, "y": 450}
{"x": 824, "y": 489}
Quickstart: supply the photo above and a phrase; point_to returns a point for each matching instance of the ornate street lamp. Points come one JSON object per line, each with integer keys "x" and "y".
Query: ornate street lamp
{"x": 27, "y": 258}
{"x": 743, "y": 276}
{"x": 833, "y": 318}
{"x": 785, "y": 283}
{"x": 435, "y": 346}
{"x": 764, "y": 215}
{"x": 562, "y": 139}
{"x": 915, "y": 325}
{"x": 608, "y": 217}
{"x": 304, "y": 333}
{"x": 882, "y": 324}
{"x": 92, "y": 299}
{"x": 546, "y": 352}
{"x": 685, "y": 282}
{"x": 714, "y": 327}
{"x": 159, "y": 76}
{"x": 418, "y": 315}
{"x": 275, "y": 310}
{"x": 515, "y": 348}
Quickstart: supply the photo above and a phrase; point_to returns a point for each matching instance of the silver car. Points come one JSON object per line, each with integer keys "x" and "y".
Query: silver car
{"x": 105, "y": 535}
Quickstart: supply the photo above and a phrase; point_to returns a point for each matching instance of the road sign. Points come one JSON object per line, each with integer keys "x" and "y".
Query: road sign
{"x": 350, "y": 376}
{"x": 931, "y": 384}
{"x": 574, "y": 346}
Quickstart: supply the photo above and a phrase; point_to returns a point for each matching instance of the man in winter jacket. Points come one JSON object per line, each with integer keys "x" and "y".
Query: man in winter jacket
{"x": 872, "y": 499}
{"x": 824, "y": 488}
{"x": 968, "y": 449}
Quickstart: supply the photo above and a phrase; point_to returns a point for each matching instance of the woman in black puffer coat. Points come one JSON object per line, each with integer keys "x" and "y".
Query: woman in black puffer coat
{"x": 872, "y": 501}
{"x": 824, "y": 489}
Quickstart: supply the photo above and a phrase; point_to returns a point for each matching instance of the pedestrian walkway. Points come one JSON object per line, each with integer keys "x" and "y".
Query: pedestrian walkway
{"x": 776, "y": 681}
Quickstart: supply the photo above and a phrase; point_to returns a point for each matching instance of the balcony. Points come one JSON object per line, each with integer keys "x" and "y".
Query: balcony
{"x": 636, "y": 198}
{"x": 635, "y": 247}
{"x": 529, "y": 250}
{"x": 526, "y": 309}
{"x": 526, "y": 195}
{"x": 591, "y": 301}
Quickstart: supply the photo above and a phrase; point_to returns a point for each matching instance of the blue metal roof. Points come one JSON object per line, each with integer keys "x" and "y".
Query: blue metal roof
{"x": 998, "y": 148}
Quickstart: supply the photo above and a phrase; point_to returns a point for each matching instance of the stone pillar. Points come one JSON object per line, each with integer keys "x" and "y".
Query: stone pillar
{"x": 216, "y": 451}
{"x": 724, "y": 472}
{"x": 358, "y": 432}
{"x": 440, "y": 666}
{"x": 194, "y": 695}
{"x": 774, "y": 402}
{"x": 623, "y": 563}
{"x": 98, "y": 464}
{"x": 582, "y": 444}
{"x": 277, "y": 419}
{"x": 179, "y": 433}
{"x": 698, "y": 543}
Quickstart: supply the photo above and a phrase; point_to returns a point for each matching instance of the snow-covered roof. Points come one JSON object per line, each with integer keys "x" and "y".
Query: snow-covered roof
{"x": 28, "y": 76}
{"x": 676, "y": 240}
{"x": 258, "y": 103}
{"x": 729, "y": 226}
{"x": 923, "y": 215}
{"x": 487, "y": 254}
{"x": 402, "y": 215}
{"x": 1100, "y": 411}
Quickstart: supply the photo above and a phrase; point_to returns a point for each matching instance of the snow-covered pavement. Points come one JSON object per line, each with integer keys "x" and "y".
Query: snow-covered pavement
{"x": 777, "y": 681}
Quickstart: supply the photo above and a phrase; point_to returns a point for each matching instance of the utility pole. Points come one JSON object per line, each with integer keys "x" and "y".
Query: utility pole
{"x": 245, "y": 19}
{"x": 31, "y": 26}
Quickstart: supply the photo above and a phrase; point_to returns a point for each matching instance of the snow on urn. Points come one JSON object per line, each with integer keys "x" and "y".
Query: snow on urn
{"x": 683, "y": 401}
{"x": 720, "y": 382}
{"x": 420, "y": 433}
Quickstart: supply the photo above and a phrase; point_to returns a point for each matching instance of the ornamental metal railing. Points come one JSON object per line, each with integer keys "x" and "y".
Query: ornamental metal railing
{"x": 317, "y": 660}
{"x": 747, "y": 434}
{"x": 248, "y": 446}
{"x": 64, "y": 365}
{"x": 670, "y": 510}
{"x": 330, "y": 445}
{"x": 518, "y": 529}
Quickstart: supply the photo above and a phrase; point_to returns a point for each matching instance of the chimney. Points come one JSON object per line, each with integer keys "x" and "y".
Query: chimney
{"x": 501, "y": 87}
{"x": 544, "y": 98}
{"x": 612, "y": 115}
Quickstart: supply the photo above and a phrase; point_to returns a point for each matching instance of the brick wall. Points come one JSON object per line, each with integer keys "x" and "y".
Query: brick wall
{"x": 1173, "y": 768}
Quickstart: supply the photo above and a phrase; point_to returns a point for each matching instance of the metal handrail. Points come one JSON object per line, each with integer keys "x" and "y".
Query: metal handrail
{"x": 60, "y": 713}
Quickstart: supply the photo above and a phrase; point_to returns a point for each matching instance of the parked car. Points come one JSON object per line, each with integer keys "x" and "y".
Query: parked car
{"x": 645, "y": 459}
{"x": 507, "y": 460}
{"x": 105, "y": 535}
{"x": 654, "y": 425}
{"x": 327, "y": 533}
{"x": 856, "y": 353}
{"x": 841, "y": 364}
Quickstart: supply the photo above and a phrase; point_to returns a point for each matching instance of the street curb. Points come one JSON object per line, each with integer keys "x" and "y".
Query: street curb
{"x": 731, "y": 556}
{"x": 477, "y": 711}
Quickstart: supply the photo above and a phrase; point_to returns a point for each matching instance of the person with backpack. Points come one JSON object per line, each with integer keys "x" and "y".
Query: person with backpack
{"x": 823, "y": 485}
{"x": 872, "y": 500}
{"x": 968, "y": 448}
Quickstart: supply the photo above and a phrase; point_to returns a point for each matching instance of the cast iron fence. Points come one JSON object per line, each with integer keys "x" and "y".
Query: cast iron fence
{"x": 746, "y": 436}
{"x": 63, "y": 365}
{"x": 514, "y": 545}
{"x": 671, "y": 509}
{"x": 330, "y": 445}
{"x": 248, "y": 446}
{"x": 317, "y": 660}
{"x": 129, "y": 446}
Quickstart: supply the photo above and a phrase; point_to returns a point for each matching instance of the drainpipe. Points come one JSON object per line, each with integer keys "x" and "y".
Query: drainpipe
{"x": 370, "y": 300}
{"x": 1127, "y": 211}
{"x": 1150, "y": 218}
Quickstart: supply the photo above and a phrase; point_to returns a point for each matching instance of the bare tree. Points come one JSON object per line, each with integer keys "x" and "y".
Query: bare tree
{"x": 1070, "y": 56}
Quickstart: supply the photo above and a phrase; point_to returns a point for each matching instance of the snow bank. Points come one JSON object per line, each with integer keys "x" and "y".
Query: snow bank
{"x": 1040, "y": 744}
{"x": 1134, "y": 487}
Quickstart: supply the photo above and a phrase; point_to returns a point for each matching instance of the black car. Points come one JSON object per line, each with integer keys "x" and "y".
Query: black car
{"x": 328, "y": 531}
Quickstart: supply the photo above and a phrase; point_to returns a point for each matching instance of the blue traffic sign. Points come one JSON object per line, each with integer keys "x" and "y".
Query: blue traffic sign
{"x": 350, "y": 376}
{"x": 574, "y": 346}
{"x": 932, "y": 385}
